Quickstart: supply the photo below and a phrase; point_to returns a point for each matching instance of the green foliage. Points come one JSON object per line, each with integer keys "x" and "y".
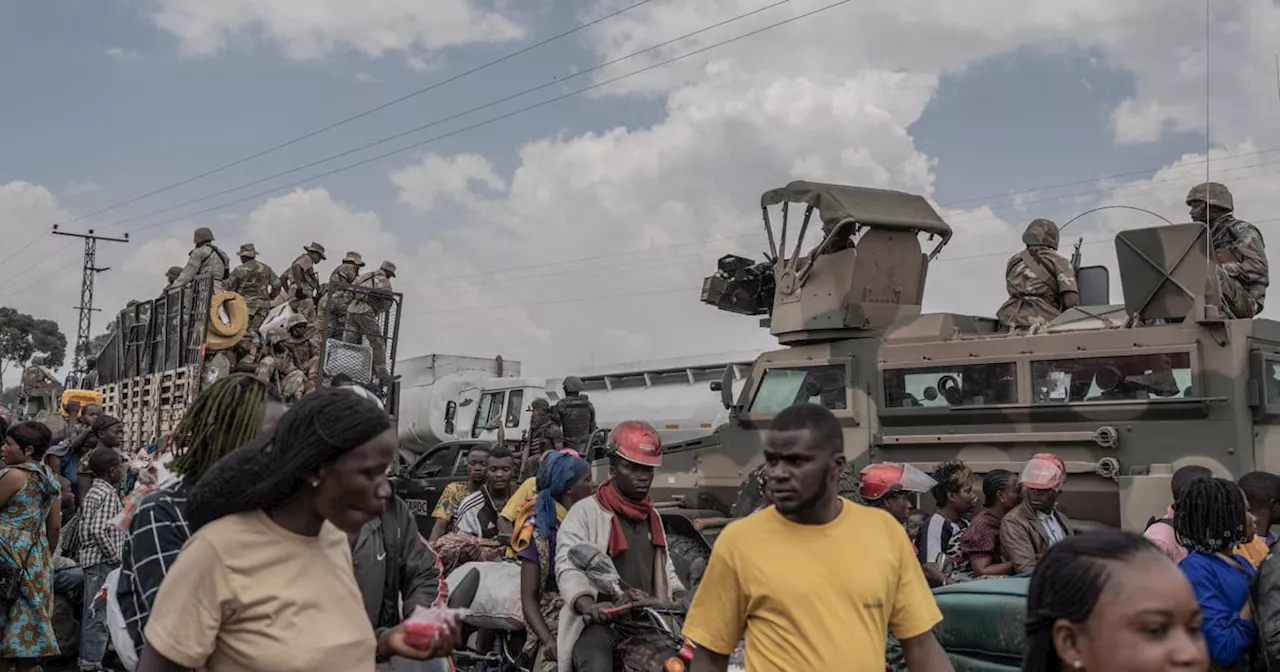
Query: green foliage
{"x": 23, "y": 336}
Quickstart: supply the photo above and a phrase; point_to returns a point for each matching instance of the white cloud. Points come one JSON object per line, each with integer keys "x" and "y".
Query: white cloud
{"x": 312, "y": 29}
{"x": 81, "y": 188}
{"x": 121, "y": 53}
{"x": 436, "y": 177}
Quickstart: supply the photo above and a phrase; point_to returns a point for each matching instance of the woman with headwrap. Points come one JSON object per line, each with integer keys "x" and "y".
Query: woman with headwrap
{"x": 562, "y": 480}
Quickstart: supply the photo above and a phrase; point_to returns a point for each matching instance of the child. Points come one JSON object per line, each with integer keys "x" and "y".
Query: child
{"x": 99, "y": 551}
{"x": 915, "y": 521}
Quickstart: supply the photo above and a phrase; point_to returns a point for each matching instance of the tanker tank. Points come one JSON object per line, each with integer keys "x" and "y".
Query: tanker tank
{"x": 439, "y": 394}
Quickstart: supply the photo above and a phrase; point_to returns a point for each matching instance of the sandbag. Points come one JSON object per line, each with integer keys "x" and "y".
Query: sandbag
{"x": 983, "y": 619}
{"x": 497, "y": 602}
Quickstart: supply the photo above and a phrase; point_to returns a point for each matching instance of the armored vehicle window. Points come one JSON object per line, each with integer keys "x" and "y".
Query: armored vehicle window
{"x": 782, "y": 387}
{"x": 515, "y": 404}
{"x": 937, "y": 386}
{"x": 1271, "y": 381}
{"x": 1129, "y": 378}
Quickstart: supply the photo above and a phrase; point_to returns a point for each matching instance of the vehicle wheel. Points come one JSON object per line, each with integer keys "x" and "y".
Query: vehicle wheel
{"x": 690, "y": 557}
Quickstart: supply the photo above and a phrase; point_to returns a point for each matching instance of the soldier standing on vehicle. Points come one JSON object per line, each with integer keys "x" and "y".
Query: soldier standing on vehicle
{"x": 364, "y": 310}
{"x": 302, "y": 283}
{"x": 336, "y": 300}
{"x": 1243, "y": 273}
{"x": 257, "y": 283}
{"x": 576, "y": 415}
{"x": 171, "y": 275}
{"x": 1041, "y": 282}
{"x": 205, "y": 258}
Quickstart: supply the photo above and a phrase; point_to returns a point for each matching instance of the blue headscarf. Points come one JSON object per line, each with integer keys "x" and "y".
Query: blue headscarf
{"x": 558, "y": 473}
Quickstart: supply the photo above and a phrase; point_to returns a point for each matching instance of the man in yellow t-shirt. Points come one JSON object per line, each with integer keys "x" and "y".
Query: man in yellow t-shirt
{"x": 815, "y": 582}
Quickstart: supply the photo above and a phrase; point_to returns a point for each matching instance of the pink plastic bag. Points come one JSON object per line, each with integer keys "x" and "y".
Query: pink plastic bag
{"x": 425, "y": 626}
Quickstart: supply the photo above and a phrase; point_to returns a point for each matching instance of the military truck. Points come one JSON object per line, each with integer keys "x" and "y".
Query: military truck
{"x": 1124, "y": 394}
{"x": 162, "y": 352}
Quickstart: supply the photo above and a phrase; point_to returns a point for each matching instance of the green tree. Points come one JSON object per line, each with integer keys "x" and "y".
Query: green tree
{"x": 23, "y": 336}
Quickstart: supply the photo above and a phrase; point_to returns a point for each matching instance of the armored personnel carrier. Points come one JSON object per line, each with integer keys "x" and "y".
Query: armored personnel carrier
{"x": 1124, "y": 394}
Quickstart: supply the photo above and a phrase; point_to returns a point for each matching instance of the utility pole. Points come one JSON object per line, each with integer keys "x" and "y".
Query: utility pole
{"x": 86, "y": 308}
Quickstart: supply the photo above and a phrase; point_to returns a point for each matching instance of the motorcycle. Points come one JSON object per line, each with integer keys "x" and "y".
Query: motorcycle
{"x": 654, "y": 643}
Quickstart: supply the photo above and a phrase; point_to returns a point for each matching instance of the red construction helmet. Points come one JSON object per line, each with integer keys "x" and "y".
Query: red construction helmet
{"x": 636, "y": 441}
{"x": 885, "y": 478}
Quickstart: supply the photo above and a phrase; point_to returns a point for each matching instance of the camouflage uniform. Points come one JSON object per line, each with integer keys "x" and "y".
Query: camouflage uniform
{"x": 575, "y": 415}
{"x": 335, "y": 300}
{"x": 256, "y": 282}
{"x": 1036, "y": 277}
{"x": 301, "y": 282}
{"x": 362, "y": 315}
{"x": 205, "y": 258}
{"x": 36, "y": 376}
{"x": 1243, "y": 273}
{"x": 171, "y": 275}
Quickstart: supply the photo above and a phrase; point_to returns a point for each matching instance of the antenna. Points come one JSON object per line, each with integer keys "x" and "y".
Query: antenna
{"x": 89, "y": 272}
{"x": 1208, "y": 230}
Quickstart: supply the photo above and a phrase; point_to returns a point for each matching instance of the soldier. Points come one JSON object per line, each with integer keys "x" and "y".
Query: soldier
{"x": 36, "y": 376}
{"x": 575, "y": 415}
{"x": 90, "y": 379}
{"x": 545, "y": 436}
{"x": 304, "y": 343}
{"x": 205, "y": 258}
{"x": 363, "y": 312}
{"x": 302, "y": 283}
{"x": 171, "y": 275}
{"x": 256, "y": 282}
{"x": 336, "y": 303}
{"x": 1243, "y": 274}
{"x": 1041, "y": 282}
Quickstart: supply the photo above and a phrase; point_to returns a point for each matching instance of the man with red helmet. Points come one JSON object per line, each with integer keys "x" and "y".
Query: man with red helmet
{"x": 621, "y": 520}
{"x": 888, "y": 485}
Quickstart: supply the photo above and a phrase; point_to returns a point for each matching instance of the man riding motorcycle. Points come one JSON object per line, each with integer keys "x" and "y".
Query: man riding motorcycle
{"x": 620, "y": 520}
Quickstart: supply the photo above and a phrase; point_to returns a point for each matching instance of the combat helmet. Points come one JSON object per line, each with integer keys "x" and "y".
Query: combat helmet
{"x": 1041, "y": 232}
{"x": 573, "y": 385}
{"x": 540, "y": 404}
{"x": 173, "y": 272}
{"x": 203, "y": 236}
{"x": 1212, "y": 193}
{"x": 294, "y": 321}
{"x": 389, "y": 268}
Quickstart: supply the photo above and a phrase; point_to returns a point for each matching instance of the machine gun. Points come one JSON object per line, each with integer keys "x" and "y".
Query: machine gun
{"x": 1075, "y": 257}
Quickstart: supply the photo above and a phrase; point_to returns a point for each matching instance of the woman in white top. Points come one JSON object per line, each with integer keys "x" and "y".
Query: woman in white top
{"x": 266, "y": 583}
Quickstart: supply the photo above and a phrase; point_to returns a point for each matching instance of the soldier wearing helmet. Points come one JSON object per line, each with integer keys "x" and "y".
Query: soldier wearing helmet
{"x": 204, "y": 258}
{"x": 336, "y": 300}
{"x": 301, "y": 282}
{"x": 257, "y": 283}
{"x": 1040, "y": 281}
{"x": 575, "y": 414}
{"x": 171, "y": 275}
{"x": 621, "y": 521}
{"x": 1243, "y": 273}
{"x": 368, "y": 311}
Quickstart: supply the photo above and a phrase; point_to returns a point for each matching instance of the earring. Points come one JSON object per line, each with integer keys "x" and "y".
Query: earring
{"x": 315, "y": 482}
{"x": 1077, "y": 664}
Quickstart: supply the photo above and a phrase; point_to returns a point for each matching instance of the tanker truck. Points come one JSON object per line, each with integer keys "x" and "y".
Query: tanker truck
{"x": 1124, "y": 394}
{"x": 454, "y": 398}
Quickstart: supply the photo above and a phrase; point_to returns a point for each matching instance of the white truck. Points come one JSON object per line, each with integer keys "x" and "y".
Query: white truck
{"x": 452, "y": 398}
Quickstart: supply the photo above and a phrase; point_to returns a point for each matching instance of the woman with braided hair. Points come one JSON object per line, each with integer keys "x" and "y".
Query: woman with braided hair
{"x": 265, "y": 583}
{"x": 1109, "y": 601}
{"x": 1211, "y": 520}
{"x": 227, "y": 415}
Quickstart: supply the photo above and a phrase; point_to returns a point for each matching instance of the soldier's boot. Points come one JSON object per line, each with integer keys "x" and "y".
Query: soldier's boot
{"x": 293, "y": 386}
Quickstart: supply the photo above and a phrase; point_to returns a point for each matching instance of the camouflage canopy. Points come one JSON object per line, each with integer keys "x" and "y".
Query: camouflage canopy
{"x": 874, "y": 207}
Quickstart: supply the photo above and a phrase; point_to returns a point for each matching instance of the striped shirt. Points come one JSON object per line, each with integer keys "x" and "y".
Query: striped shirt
{"x": 940, "y": 536}
{"x": 100, "y": 541}
{"x": 157, "y": 533}
{"x": 477, "y": 516}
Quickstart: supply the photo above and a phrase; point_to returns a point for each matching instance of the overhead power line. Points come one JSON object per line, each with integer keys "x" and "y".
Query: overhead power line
{"x": 458, "y": 115}
{"x": 363, "y": 114}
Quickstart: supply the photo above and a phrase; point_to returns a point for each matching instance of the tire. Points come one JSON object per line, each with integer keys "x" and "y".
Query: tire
{"x": 237, "y": 313}
{"x": 688, "y": 555}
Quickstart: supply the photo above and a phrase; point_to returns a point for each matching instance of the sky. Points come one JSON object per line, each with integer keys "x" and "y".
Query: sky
{"x": 561, "y": 206}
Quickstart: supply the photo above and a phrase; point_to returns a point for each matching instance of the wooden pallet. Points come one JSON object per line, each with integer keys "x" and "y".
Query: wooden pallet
{"x": 150, "y": 406}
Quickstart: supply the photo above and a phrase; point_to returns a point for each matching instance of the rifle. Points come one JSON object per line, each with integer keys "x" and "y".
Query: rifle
{"x": 1075, "y": 257}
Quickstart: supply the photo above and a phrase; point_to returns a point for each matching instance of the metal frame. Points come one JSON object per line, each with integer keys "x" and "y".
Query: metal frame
{"x": 394, "y": 311}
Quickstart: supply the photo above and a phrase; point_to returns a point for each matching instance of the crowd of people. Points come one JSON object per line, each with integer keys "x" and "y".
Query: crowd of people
{"x": 275, "y": 543}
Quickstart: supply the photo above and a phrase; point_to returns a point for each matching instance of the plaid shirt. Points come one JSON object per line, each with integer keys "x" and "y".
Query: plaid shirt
{"x": 157, "y": 533}
{"x": 100, "y": 541}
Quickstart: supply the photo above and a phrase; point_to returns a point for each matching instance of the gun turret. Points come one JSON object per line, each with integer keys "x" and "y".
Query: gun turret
{"x": 865, "y": 273}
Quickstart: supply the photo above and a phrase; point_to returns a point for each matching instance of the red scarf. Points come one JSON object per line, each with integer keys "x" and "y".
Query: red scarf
{"x": 612, "y": 501}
